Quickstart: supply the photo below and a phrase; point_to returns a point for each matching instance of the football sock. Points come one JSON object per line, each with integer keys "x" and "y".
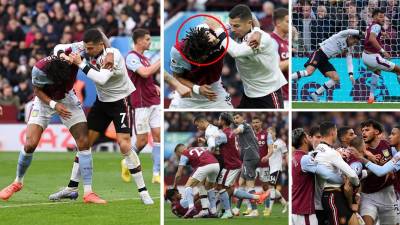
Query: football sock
{"x": 374, "y": 84}
{"x": 253, "y": 204}
{"x": 224, "y": 198}
{"x": 156, "y": 158}
{"x": 213, "y": 200}
{"x": 241, "y": 194}
{"x": 75, "y": 174}
{"x": 327, "y": 85}
{"x": 189, "y": 196}
{"x": 267, "y": 202}
{"x": 133, "y": 164}
{"x": 205, "y": 204}
{"x": 86, "y": 169}
{"x": 299, "y": 74}
{"x": 24, "y": 161}
{"x": 273, "y": 196}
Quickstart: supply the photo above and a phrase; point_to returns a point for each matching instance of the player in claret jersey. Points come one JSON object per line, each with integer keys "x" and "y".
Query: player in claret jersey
{"x": 53, "y": 78}
{"x": 373, "y": 52}
{"x": 145, "y": 99}
{"x": 206, "y": 168}
{"x": 179, "y": 206}
{"x": 280, "y": 35}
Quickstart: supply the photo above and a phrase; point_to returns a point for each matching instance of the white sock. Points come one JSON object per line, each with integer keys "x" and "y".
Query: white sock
{"x": 272, "y": 196}
{"x": 299, "y": 74}
{"x": 327, "y": 85}
{"x": 133, "y": 162}
{"x": 87, "y": 188}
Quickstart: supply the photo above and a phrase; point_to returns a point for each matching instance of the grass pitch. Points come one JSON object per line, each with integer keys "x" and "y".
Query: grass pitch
{"x": 276, "y": 218}
{"x": 340, "y": 105}
{"x": 50, "y": 171}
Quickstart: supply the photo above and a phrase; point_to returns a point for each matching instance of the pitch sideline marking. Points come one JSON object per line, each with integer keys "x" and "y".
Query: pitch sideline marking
{"x": 66, "y": 202}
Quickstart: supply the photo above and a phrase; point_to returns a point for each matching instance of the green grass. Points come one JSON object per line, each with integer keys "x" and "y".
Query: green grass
{"x": 338, "y": 105}
{"x": 50, "y": 171}
{"x": 276, "y": 218}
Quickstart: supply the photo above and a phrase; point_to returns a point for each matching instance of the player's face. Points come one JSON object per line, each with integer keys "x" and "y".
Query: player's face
{"x": 394, "y": 137}
{"x": 146, "y": 42}
{"x": 283, "y": 25}
{"x": 369, "y": 134}
{"x": 93, "y": 49}
{"x": 240, "y": 27}
{"x": 315, "y": 140}
{"x": 380, "y": 18}
{"x": 256, "y": 124}
{"x": 350, "y": 135}
{"x": 351, "y": 41}
{"x": 238, "y": 119}
{"x": 201, "y": 125}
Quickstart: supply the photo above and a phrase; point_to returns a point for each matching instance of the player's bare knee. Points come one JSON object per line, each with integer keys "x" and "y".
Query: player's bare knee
{"x": 83, "y": 142}
{"x": 155, "y": 133}
{"x": 342, "y": 220}
{"x": 310, "y": 70}
{"x": 30, "y": 145}
{"x": 124, "y": 144}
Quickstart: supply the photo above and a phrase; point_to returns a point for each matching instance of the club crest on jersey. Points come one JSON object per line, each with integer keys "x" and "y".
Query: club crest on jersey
{"x": 386, "y": 153}
{"x": 263, "y": 136}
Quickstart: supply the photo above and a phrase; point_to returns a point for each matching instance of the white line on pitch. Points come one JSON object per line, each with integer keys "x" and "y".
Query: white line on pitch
{"x": 62, "y": 202}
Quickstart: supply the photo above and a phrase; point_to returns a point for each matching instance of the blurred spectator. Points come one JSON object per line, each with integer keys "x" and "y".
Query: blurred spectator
{"x": 302, "y": 20}
{"x": 318, "y": 27}
{"x": 7, "y": 97}
{"x": 266, "y": 21}
{"x": 126, "y": 24}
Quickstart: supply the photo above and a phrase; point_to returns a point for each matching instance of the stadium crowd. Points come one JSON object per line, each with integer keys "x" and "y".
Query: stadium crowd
{"x": 315, "y": 21}
{"x": 183, "y": 122}
{"x": 263, "y": 11}
{"x": 30, "y": 29}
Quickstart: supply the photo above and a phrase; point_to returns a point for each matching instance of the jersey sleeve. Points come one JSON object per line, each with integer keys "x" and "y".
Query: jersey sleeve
{"x": 345, "y": 33}
{"x": 357, "y": 166}
{"x": 376, "y": 29}
{"x": 221, "y": 138}
{"x": 183, "y": 161}
{"x": 270, "y": 141}
{"x": 39, "y": 78}
{"x": 76, "y": 47}
{"x": 133, "y": 62}
{"x": 178, "y": 64}
{"x": 338, "y": 162}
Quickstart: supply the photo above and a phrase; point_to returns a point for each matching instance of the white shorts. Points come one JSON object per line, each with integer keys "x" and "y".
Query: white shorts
{"x": 41, "y": 113}
{"x": 209, "y": 171}
{"x": 377, "y": 62}
{"x": 228, "y": 177}
{"x": 147, "y": 118}
{"x": 310, "y": 219}
{"x": 263, "y": 174}
{"x": 380, "y": 205}
{"x": 223, "y": 100}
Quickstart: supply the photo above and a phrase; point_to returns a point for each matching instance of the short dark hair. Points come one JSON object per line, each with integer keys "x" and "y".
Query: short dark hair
{"x": 237, "y": 113}
{"x": 342, "y": 131}
{"x": 377, "y": 11}
{"x": 280, "y": 14}
{"x": 325, "y": 127}
{"x": 139, "y": 33}
{"x": 169, "y": 194}
{"x": 397, "y": 126}
{"x": 199, "y": 118}
{"x": 356, "y": 143}
{"x": 298, "y": 135}
{"x": 314, "y": 131}
{"x": 256, "y": 118}
{"x": 93, "y": 35}
{"x": 373, "y": 123}
{"x": 178, "y": 146}
{"x": 227, "y": 118}
{"x": 241, "y": 11}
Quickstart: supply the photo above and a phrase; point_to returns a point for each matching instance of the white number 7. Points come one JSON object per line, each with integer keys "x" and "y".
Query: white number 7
{"x": 123, "y": 117}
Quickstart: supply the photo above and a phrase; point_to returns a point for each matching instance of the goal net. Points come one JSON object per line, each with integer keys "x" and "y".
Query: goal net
{"x": 315, "y": 21}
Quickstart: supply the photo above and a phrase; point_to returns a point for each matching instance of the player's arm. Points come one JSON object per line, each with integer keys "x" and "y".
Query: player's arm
{"x": 349, "y": 62}
{"x": 98, "y": 76}
{"x": 381, "y": 171}
{"x": 176, "y": 85}
{"x": 375, "y": 30}
{"x": 309, "y": 165}
{"x": 133, "y": 63}
{"x": 239, "y": 129}
{"x": 59, "y": 107}
{"x": 337, "y": 161}
{"x": 271, "y": 149}
{"x": 183, "y": 161}
{"x": 349, "y": 32}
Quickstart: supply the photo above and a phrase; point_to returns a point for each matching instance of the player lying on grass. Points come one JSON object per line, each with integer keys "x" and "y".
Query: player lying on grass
{"x": 53, "y": 78}
{"x": 337, "y": 44}
{"x": 112, "y": 104}
{"x": 373, "y": 52}
{"x": 180, "y": 206}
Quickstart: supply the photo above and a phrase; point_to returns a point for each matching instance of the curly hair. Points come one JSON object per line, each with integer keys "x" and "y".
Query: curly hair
{"x": 170, "y": 194}
{"x": 58, "y": 70}
{"x": 197, "y": 44}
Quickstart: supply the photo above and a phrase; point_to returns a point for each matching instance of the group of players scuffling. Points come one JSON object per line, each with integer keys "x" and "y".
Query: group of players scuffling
{"x": 353, "y": 182}
{"x": 260, "y": 59}
{"x": 126, "y": 94}
{"x": 374, "y": 56}
{"x": 227, "y": 152}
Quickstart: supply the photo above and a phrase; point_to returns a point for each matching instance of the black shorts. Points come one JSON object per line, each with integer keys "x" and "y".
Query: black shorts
{"x": 271, "y": 101}
{"x": 321, "y": 217}
{"x": 102, "y": 113}
{"x": 320, "y": 61}
{"x": 249, "y": 168}
{"x": 336, "y": 207}
{"x": 274, "y": 177}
